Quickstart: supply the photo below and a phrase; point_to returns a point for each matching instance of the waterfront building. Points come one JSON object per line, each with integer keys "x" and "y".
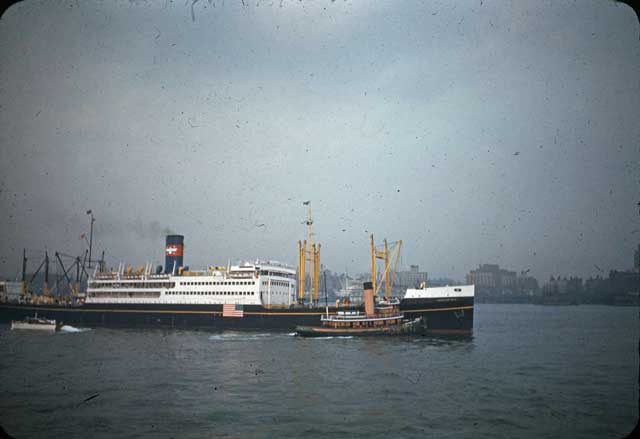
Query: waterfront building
{"x": 528, "y": 285}
{"x": 412, "y": 278}
{"x": 495, "y": 284}
{"x": 492, "y": 277}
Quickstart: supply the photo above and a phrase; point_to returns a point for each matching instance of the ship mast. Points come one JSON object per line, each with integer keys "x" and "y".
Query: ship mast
{"x": 308, "y": 251}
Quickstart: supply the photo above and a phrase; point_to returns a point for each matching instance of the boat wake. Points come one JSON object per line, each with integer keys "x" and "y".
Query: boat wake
{"x": 69, "y": 328}
{"x": 329, "y": 337}
{"x": 233, "y": 336}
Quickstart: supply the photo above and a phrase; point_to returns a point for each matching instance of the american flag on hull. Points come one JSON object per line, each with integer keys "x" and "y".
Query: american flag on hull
{"x": 232, "y": 310}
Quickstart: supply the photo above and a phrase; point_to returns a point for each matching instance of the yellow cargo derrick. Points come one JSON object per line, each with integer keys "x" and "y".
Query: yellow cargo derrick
{"x": 388, "y": 258}
{"x": 309, "y": 252}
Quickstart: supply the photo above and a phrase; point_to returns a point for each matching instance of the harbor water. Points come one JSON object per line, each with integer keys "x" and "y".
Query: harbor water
{"x": 528, "y": 371}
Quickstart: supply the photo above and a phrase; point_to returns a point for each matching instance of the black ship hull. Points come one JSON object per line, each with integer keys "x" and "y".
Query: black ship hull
{"x": 442, "y": 316}
{"x": 447, "y": 316}
{"x": 318, "y": 331}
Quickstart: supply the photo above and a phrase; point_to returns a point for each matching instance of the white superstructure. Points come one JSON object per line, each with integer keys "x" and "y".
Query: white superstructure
{"x": 440, "y": 292}
{"x": 264, "y": 283}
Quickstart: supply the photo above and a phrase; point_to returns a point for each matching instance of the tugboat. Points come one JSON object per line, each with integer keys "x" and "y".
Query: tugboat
{"x": 36, "y": 323}
{"x": 382, "y": 318}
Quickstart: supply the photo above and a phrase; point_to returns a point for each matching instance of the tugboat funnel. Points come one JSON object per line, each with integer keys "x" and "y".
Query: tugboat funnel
{"x": 369, "y": 307}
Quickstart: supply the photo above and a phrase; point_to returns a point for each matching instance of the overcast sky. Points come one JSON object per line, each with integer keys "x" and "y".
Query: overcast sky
{"x": 476, "y": 132}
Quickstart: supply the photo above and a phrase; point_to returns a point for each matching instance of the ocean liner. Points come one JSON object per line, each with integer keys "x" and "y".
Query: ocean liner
{"x": 250, "y": 295}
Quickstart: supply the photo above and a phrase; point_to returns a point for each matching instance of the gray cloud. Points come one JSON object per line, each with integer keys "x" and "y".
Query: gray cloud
{"x": 397, "y": 118}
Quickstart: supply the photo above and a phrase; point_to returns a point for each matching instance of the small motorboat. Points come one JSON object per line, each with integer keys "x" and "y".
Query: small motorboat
{"x": 36, "y": 323}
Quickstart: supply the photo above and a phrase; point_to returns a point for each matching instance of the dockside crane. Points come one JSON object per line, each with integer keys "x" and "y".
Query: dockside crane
{"x": 26, "y": 286}
{"x": 80, "y": 265}
{"x": 74, "y": 286}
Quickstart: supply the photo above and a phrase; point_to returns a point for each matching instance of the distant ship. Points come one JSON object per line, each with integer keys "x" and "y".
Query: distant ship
{"x": 350, "y": 290}
{"x": 250, "y": 295}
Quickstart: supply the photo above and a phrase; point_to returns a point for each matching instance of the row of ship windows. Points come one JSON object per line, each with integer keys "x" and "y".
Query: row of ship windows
{"x": 276, "y": 283}
{"x": 210, "y": 293}
{"x": 219, "y": 283}
{"x": 221, "y": 293}
{"x": 132, "y": 285}
{"x": 121, "y": 294}
{"x": 275, "y": 273}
